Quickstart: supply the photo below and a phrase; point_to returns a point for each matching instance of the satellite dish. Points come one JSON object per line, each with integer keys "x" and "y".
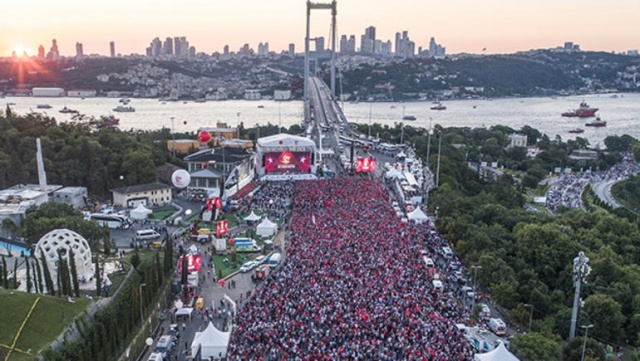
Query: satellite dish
{"x": 149, "y": 341}
{"x": 181, "y": 178}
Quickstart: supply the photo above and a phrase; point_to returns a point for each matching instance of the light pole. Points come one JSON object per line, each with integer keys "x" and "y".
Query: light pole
{"x": 584, "y": 345}
{"x": 401, "y": 134}
{"x": 258, "y": 135}
{"x": 580, "y": 272}
{"x": 141, "y": 315}
{"x": 369, "y": 132}
{"x": 438, "y": 164}
{"x": 530, "y": 316}
{"x": 475, "y": 279}
{"x": 173, "y": 139}
{"x": 238, "y": 124}
{"x": 280, "y": 113}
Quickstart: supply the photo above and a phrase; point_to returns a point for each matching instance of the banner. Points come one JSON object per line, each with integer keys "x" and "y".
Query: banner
{"x": 366, "y": 165}
{"x": 222, "y": 228}
{"x": 287, "y": 162}
{"x": 194, "y": 263}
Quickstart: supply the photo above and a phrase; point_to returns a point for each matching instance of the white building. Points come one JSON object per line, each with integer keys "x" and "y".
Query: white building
{"x": 75, "y": 196}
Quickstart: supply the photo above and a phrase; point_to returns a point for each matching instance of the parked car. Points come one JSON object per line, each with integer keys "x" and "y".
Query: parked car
{"x": 260, "y": 260}
{"x": 248, "y": 266}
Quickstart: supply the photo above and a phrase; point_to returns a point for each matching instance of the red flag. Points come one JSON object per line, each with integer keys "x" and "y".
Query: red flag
{"x": 218, "y": 202}
{"x": 222, "y": 228}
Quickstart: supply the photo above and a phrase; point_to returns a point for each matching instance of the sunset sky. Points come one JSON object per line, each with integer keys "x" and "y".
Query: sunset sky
{"x": 500, "y": 26}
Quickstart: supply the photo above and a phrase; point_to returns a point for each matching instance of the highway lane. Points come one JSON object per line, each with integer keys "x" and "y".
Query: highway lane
{"x": 603, "y": 191}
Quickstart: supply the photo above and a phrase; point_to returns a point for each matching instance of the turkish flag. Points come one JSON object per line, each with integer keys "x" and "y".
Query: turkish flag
{"x": 218, "y": 203}
{"x": 222, "y": 228}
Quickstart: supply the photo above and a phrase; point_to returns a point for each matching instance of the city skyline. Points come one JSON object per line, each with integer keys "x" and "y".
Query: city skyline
{"x": 464, "y": 26}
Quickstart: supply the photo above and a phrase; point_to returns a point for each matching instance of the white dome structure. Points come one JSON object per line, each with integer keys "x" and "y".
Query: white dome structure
{"x": 63, "y": 240}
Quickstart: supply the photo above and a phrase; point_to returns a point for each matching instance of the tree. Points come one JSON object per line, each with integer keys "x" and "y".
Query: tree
{"x": 47, "y": 274}
{"x": 536, "y": 346}
{"x": 98, "y": 276}
{"x": 15, "y": 274}
{"x": 38, "y": 274}
{"x": 74, "y": 273}
{"x": 5, "y": 283}
{"x": 573, "y": 350}
{"x": 28, "y": 274}
{"x": 135, "y": 258}
{"x": 604, "y": 312}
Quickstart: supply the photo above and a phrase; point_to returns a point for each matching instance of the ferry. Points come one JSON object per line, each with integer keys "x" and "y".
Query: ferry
{"x": 576, "y": 131}
{"x": 408, "y": 117}
{"x": 438, "y": 107}
{"x": 597, "y": 123}
{"x": 68, "y": 111}
{"x": 123, "y": 109}
{"x": 44, "y": 106}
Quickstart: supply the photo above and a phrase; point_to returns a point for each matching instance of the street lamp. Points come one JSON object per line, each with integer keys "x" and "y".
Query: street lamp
{"x": 369, "y": 132}
{"x": 280, "y": 113}
{"x": 258, "y": 130}
{"x": 584, "y": 345}
{"x": 438, "y": 164}
{"x": 530, "y": 316}
{"x": 581, "y": 270}
{"x": 475, "y": 279}
{"x": 238, "y": 124}
{"x": 173, "y": 139}
{"x": 141, "y": 316}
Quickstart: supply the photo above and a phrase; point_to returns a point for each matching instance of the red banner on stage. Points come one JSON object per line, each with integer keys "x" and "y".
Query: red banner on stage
{"x": 222, "y": 228}
{"x": 287, "y": 162}
{"x": 366, "y": 165}
{"x": 213, "y": 201}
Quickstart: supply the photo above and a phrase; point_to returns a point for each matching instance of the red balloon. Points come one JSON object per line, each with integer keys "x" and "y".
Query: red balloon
{"x": 204, "y": 136}
{"x": 185, "y": 122}
{"x": 230, "y": 240}
{"x": 221, "y": 282}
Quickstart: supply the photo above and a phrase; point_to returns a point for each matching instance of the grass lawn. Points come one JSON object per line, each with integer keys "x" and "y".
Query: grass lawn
{"x": 240, "y": 257}
{"x": 44, "y": 325}
{"x": 162, "y": 214}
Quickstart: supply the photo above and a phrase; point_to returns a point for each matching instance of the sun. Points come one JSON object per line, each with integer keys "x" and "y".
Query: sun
{"x": 20, "y": 50}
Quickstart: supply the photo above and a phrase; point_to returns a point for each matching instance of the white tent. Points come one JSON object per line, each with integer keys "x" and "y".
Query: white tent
{"x": 394, "y": 173}
{"x": 252, "y": 217}
{"x": 266, "y": 228}
{"x": 417, "y": 215}
{"x": 213, "y": 343}
{"x": 500, "y": 353}
{"x": 141, "y": 212}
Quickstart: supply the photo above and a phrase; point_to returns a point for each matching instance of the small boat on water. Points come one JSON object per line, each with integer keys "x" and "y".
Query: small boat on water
{"x": 597, "y": 123}
{"x": 44, "y": 106}
{"x": 124, "y": 100}
{"x": 66, "y": 110}
{"x": 261, "y": 106}
{"x": 392, "y": 107}
{"x": 439, "y": 106}
{"x": 123, "y": 109}
{"x": 408, "y": 117}
{"x": 576, "y": 131}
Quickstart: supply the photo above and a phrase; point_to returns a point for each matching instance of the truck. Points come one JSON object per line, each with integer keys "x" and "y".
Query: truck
{"x": 274, "y": 260}
{"x": 246, "y": 245}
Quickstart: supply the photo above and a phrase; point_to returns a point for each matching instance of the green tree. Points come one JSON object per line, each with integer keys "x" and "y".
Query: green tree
{"x": 98, "y": 276}
{"x": 15, "y": 274}
{"x": 38, "y": 275}
{"x": 48, "y": 281}
{"x": 593, "y": 350}
{"x": 536, "y": 346}
{"x": 5, "y": 283}
{"x": 604, "y": 312}
{"x": 139, "y": 167}
{"x": 28, "y": 274}
{"x": 74, "y": 273}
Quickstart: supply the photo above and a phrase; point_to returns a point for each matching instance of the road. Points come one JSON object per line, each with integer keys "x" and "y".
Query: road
{"x": 603, "y": 191}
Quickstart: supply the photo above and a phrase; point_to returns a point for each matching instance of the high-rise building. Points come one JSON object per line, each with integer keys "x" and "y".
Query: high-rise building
{"x": 156, "y": 47}
{"x": 167, "y": 47}
{"x": 435, "y": 50}
{"x": 112, "y": 49}
{"x": 225, "y": 50}
{"x": 368, "y": 40}
{"x": 41, "y": 52}
{"x": 79, "y": 50}
{"x": 405, "y": 48}
{"x": 343, "y": 44}
{"x": 177, "y": 46}
{"x": 192, "y": 51}
{"x": 53, "y": 53}
{"x": 397, "y": 50}
{"x": 292, "y": 48}
{"x": 351, "y": 44}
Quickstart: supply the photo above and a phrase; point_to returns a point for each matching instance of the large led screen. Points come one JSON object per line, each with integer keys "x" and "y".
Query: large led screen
{"x": 287, "y": 162}
{"x": 366, "y": 165}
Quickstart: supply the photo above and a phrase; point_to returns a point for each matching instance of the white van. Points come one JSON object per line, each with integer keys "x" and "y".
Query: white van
{"x": 274, "y": 260}
{"x": 497, "y": 326}
{"x": 485, "y": 311}
{"x": 428, "y": 261}
{"x": 447, "y": 252}
{"x": 437, "y": 284}
{"x": 147, "y": 234}
{"x": 155, "y": 356}
{"x": 164, "y": 345}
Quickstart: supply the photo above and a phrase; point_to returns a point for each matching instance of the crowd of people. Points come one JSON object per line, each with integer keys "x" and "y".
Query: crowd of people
{"x": 273, "y": 198}
{"x": 353, "y": 286}
{"x": 567, "y": 190}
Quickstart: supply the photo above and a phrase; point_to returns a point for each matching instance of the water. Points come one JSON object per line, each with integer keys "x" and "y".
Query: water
{"x": 543, "y": 113}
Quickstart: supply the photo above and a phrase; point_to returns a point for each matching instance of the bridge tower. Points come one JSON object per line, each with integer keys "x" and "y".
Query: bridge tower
{"x": 326, "y": 6}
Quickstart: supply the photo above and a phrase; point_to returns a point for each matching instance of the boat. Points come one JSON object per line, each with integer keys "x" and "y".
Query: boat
{"x": 200, "y": 100}
{"x": 582, "y": 112}
{"x": 438, "y": 107}
{"x": 44, "y": 106}
{"x": 123, "y": 109}
{"x": 408, "y": 117}
{"x": 392, "y": 107}
{"x": 110, "y": 120}
{"x": 124, "y": 100}
{"x": 261, "y": 106}
{"x": 576, "y": 131}
{"x": 68, "y": 111}
{"x": 597, "y": 123}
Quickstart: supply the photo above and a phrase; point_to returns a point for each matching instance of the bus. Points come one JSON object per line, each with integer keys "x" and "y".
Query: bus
{"x": 113, "y": 221}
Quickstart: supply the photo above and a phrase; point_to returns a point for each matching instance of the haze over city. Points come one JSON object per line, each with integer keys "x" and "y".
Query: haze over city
{"x": 491, "y": 26}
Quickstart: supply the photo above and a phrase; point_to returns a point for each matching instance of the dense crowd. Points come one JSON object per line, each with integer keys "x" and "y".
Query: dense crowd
{"x": 273, "y": 198}
{"x": 567, "y": 190}
{"x": 353, "y": 286}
